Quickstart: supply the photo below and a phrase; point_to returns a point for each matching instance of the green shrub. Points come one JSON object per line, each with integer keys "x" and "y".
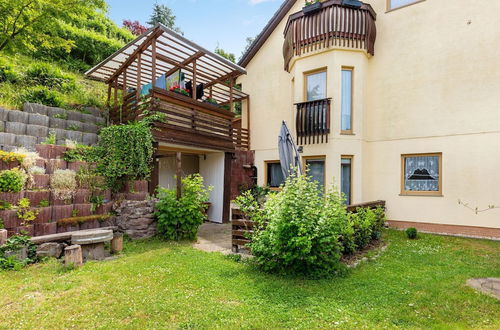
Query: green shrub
{"x": 412, "y": 233}
{"x": 42, "y": 95}
{"x": 49, "y": 76}
{"x": 81, "y": 153}
{"x": 7, "y": 72}
{"x": 180, "y": 219}
{"x": 301, "y": 236}
{"x": 12, "y": 180}
{"x": 125, "y": 153}
{"x": 14, "y": 244}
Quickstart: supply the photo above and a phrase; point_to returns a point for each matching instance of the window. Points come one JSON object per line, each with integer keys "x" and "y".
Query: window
{"x": 346, "y": 107}
{"x": 346, "y": 178}
{"x": 395, "y": 4}
{"x": 274, "y": 174}
{"x": 421, "y": 174}
{"x": 316, "y": 86}
{"x": 316, "y": 168}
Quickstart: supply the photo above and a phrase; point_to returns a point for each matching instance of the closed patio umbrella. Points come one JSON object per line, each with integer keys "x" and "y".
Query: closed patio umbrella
{"x": 289, "y": 154}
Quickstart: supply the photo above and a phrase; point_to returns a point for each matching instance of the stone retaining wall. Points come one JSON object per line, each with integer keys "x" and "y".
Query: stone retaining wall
{"x": 136, "y": 219}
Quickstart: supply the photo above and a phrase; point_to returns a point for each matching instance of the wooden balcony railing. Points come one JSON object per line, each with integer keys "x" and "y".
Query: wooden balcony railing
{"x": 188, "y": 122}
{"x": 312, "y": 121}
{"x": 333, "y": 25}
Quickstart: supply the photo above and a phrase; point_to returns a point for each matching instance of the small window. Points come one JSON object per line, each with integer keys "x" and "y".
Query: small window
{"x": 346, "y": 103}
{"x": 346, "y": 178}
{"x": 316, "y": 169}
{"x": 274, "y": 174}
{"x": 316, "y": 86}
{"x": 395, "y": 4}
{"x": 421, "y": 174}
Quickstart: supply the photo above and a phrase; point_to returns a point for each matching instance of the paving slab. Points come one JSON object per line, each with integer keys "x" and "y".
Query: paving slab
{"x": 489, "y": 286}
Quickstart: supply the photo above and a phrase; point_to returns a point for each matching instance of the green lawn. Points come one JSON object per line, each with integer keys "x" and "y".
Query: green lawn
{"x": 413, "y": 284}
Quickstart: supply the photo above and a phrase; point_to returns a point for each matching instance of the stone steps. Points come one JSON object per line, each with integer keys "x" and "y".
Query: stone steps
{"x": 36, "y": 122}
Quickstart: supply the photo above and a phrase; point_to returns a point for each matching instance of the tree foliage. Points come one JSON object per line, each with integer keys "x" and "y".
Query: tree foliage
{"x": 134, "y": 26}
{"x": 164, "y": 15}
{"x": 228, "y": 56}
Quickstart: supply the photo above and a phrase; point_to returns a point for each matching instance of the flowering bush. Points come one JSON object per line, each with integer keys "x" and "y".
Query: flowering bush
{"x": 63, "y": 184}
{"x": 178, "y": 89}
{"x": 8, "y": 157}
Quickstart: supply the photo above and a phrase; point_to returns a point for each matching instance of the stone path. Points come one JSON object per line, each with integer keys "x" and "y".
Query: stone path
{"x": 214, "y": 237}
{"x": 489, "y": 286}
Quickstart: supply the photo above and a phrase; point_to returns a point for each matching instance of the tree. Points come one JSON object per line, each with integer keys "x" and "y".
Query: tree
{"x": 229, "y": 56}
{"x": 135, "y": 27}
{"x": 164, "y": 15}
{"x": 31, "y": 22}
{"x": 249, "y": 41}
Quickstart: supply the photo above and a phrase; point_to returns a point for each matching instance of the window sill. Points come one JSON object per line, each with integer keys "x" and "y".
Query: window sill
{"x": 420, "y": 195}
{"x": 347, "y": 133}
{"x": 401, "y": 7}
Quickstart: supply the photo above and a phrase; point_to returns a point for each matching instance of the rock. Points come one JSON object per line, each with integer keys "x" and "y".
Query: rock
{"x": 49, "y": 250}
{"x": 37, "y": 119}
{"x": 16, "y": 128}
{"x": 18, "y": 116}
{"x": 73, "y": 256}
{"x": 489, "y": 286}
{"x": 20, "y": 254}
{"x": 136, "y": 219}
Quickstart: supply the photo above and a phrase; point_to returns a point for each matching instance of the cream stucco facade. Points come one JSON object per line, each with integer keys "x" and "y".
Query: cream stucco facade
{"x": 433, "y": 86}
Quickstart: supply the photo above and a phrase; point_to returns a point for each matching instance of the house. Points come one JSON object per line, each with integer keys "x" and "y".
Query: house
{"x": 163, "y": 71}
{"x": 393, "y": 100}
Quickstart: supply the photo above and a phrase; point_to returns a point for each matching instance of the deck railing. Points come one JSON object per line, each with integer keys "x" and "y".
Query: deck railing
{"x": 334, "y": 25}
{"x": 189, "y": 122}
{"x": 312, "y": 121}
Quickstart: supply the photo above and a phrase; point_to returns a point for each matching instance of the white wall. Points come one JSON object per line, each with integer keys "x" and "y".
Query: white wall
{"x": 212, "y": 171}
{"x": 190, "y": 165}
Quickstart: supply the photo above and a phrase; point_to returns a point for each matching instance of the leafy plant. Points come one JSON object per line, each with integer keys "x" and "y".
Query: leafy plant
{"x": 96, "y": 201}
{"x": 87, "y": 178}
{"x": 4, "y": 205}
{"x": 12, "y": 180}
{"x": 179, "y": 219}
{"x": 74, "y": 213}
{"x": 63, "y": 116}
{"x": 125, "y": 153}
{"x": 24, "y": 212}
{"x": 51, "y": 139}
{"x": 81, "y": 153}
{"x": 2, "y": 225}
{"x": 73, "y": 127}
{"x": 14, "y": 244}
{"x": 42, "y": 95}
{"x": 411, "y": 233}
{"x": 311, "y": 2}
{"x": 44, "y": 74}
{"x": 63, "y": 184}
{"x": 7, "y": 72}
{"x": 44, "y": 203}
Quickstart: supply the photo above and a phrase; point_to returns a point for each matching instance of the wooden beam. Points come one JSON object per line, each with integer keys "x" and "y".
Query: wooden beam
{"x": 153, "y": 59}
{"x": 178, "y": 173}
{"x": 183, "y": 65}
{"x": 156, "y": 33}
{"x": 139, "y": 83}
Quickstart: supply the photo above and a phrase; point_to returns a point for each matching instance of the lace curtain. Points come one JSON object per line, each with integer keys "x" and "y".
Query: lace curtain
{"x": 422, "y": 173}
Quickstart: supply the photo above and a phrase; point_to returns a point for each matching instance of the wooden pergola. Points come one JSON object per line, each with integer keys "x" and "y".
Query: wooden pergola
{"x": 160, "y": 51}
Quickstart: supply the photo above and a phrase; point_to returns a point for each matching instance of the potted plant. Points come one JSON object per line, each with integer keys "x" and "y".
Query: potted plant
{"x": 211, "y": 101}
{"x": 311, "y": 7}
{"x": 179, "y": 90}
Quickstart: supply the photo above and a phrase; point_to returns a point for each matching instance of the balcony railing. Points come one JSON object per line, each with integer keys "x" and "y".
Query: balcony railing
{"x": 312, "y": 121}
{"x": 333, "y": 25}
{"x": 188, "y": 122}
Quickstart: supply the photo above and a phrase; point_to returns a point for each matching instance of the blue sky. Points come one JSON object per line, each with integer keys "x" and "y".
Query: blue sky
{"x": 206, "y": 22}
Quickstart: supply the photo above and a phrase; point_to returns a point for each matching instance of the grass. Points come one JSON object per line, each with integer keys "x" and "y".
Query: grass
{"x": 155, "y": 284}
{"x": 91, "y": 93}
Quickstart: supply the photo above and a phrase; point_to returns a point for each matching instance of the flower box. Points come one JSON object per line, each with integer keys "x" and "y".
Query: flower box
{"x": 352, "y": 3}
{"x": 44, "y": 215}
{"x": 11, "y": 198}
{"x": 82, "y": 196}
{"x": 42, "y": 229}
{"x": 36, "y": 197}
{"x": 61, "y": 212}
{"x": 10, "y": 220}
{"x": 311, "y": 9}
{"x": 41, "y": 181}
{"x": 50, "y": 151}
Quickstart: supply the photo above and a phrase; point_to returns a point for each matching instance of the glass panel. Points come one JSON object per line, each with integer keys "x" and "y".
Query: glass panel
{"x": 316, "y": 86}
{"x": 346, "y": 100}
{"x": 316, "y": 170}
{"x": 274, "y": 175}
{"x": 400, "y": 3}
{"x": 346, "y": 179}
{"x": 422, "y": 173}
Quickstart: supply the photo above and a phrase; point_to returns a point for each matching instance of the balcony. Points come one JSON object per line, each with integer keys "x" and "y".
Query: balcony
{"x": 312, "y": 121}
{"x": 335, "y": 25}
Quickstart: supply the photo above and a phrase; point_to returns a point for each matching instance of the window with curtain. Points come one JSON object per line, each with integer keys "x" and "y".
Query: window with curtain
{"x": 316, "y": 169}
{"x": 274, "y": 174}
{"x": 345, "y": 178}
{"x": 421, "y": 174}
{"x": 316, "y": 86}
{"x": 393, "y": 4}
{"x": 346, "y": 103}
